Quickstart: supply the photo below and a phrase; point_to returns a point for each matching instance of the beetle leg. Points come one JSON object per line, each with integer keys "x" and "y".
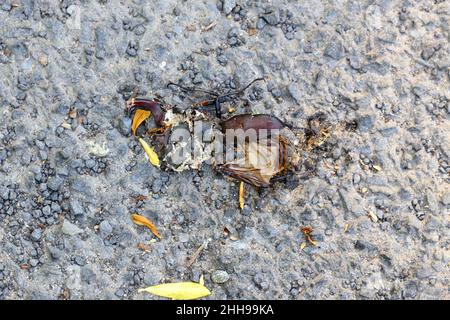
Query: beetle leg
{"x": 154, "y": 131}
{"x": 217, "y": 106}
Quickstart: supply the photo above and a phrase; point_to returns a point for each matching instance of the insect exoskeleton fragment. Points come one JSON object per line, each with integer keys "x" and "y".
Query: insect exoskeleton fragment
{"x": 257, "y": 149}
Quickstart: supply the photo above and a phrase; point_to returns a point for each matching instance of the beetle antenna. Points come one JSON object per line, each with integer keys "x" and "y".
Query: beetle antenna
{"x": 241, "y": 90}
{"x": 188, "y": 89}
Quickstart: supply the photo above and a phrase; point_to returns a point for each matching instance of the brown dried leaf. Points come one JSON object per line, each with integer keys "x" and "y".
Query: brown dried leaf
{"x": 73, "y": 114}
{"x": 143, "y": 221}
{"x": 65, "y": 294}
{"x": 191, "y": 28}
{"x": 139, "y": 117}
{"x": 140, "y": 197}
{"x": 307, "y": 232}
{"x": 252, "y": 31}
{"x": 143, "y": 247}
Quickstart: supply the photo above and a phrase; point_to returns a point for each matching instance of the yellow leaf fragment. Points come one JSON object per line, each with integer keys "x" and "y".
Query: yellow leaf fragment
{"x": 179, "y": 290}
{"x": 201, "y": 280}
{"x": 346, "y": 227}
{"x": 376, "y": 167}
{"x": 143, "y": 221}
{"x": 139, "y": 117}
{"x": 241, "y": 195}
{"x": 302, "y": 245}
{"x": 152, "y": 156}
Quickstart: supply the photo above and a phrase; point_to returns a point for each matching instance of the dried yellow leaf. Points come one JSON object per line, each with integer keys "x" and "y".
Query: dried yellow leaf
{"x": 346, "y": 227}
{"x": 179, "y": 290}
{"x": 139, "y": 117}
{"x": 241, "y": 195}
{"x": 143, "y": 221}
{"x": 302, "y": 245}
{"x": 201, "y": 280}
{"x": 152, "y": 156}
{"x": 376, "y": 167}
{"x": 372, "y": 216}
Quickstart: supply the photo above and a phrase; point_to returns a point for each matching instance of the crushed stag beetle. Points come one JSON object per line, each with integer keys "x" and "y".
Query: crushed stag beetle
{"x": 257, "y": 149}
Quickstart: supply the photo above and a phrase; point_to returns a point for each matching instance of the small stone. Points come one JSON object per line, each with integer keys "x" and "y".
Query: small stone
{"x": 70, "y": 229}
{"x": 124, "y": 126}
{"x": 76, "y": 208}
{"x": 105, "y": 229}
{"x": 410, "y": 291}
{"x": 56, "y": 207}
{"x": 427, "y": 53}
{"x": 359, "y": 245}
{"x": 36, "y": 234}
{"x": 228, "y": 6}
{"x": 261, "y": 23}
{"x": 67, "y": 152}
{"x": 119, "y": 293}
{"x": 55, "y": 183}
{"x": 4, "y": 193}
{"x": 34, "y": 262}
{"x": 355, "y": 62}
{"x": 273, "y": 18}
{"x": 87, "y": 275}
{"x": 295, "y": 92}
{"x": 55, "y": 253}
{"x": 90, "y": 163}
{"x": 366, "y": 123}
{"x": 47, "y": 211}
{"x": 220, "y": 276}
{"x": 446, "y": 199}
{"x": 79, "y": 260}
{"x": 335, "y": 49}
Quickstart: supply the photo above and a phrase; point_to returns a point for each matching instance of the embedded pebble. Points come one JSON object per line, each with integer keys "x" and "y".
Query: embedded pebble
{"x": 220, "y": 276}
